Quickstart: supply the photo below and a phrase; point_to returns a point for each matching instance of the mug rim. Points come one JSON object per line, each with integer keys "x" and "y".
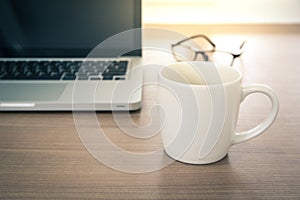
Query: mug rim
{"x": 238, "y": 79}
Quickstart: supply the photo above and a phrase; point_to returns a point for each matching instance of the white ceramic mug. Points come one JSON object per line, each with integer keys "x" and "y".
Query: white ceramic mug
{"x": 199, "y": 106}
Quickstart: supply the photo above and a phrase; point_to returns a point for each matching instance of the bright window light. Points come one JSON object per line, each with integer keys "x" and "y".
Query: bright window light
{"x": 221, "y": 11}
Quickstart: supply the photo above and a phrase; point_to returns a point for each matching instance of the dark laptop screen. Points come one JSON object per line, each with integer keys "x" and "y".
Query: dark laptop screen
{"x": 66, "y": 28}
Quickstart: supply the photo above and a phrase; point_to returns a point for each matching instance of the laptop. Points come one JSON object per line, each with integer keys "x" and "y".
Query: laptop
{"x": 48, "y": 60}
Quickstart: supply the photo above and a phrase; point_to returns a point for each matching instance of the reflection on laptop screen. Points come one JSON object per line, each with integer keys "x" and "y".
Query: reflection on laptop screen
{"x": 65, "y": 28}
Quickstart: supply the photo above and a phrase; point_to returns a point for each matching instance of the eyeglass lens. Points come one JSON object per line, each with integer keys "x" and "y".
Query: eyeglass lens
{"x": 222, "y": 58}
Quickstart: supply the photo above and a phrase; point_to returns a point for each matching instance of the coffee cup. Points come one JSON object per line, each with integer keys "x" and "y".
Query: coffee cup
{"x": 199, "y": 106}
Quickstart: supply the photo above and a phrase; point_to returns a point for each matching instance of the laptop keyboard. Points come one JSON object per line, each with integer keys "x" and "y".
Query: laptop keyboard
{"x": 63, "y": 70}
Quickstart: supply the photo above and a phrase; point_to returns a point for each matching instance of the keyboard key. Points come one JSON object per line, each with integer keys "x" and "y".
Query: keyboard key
{"x": 69, "y": 77}
{"x": 92, "y": 74}
{"x": 119, "y": 78}
{"x": 85, "y": 77}
{"x": 95, "y": 78}
{"x": 107, "y": 77}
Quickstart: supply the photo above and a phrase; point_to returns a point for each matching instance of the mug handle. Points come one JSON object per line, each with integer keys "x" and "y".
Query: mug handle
{"x": 259, "y": 129}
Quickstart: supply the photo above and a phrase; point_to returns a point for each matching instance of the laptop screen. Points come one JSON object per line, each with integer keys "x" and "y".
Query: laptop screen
{"x": 67, "y": 28}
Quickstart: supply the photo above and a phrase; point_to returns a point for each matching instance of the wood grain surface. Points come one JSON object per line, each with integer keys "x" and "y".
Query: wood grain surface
{"x": 42, "y": 157}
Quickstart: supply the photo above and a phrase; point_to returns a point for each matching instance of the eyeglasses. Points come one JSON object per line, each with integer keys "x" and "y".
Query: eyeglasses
{"x": 200, "y": 47}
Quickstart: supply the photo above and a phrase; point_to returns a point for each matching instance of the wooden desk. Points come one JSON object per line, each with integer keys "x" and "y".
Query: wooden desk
{"x": 42, "y": 157}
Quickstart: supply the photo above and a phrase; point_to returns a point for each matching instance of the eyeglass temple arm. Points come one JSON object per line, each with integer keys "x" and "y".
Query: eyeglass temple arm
{"x": 242, "y": 45}
{"x": 241, "y": 50}
{"x": 238, "y": 55}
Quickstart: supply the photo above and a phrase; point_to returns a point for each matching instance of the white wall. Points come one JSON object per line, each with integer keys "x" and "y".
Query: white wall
{"x": 221, "y": 11}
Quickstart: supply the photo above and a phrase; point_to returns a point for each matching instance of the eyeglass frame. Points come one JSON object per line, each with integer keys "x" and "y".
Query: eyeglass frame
{"x": 204, "y": 52}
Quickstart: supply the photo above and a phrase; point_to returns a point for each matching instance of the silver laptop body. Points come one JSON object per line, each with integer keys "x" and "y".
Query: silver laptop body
{"x": 58, "y": 35}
